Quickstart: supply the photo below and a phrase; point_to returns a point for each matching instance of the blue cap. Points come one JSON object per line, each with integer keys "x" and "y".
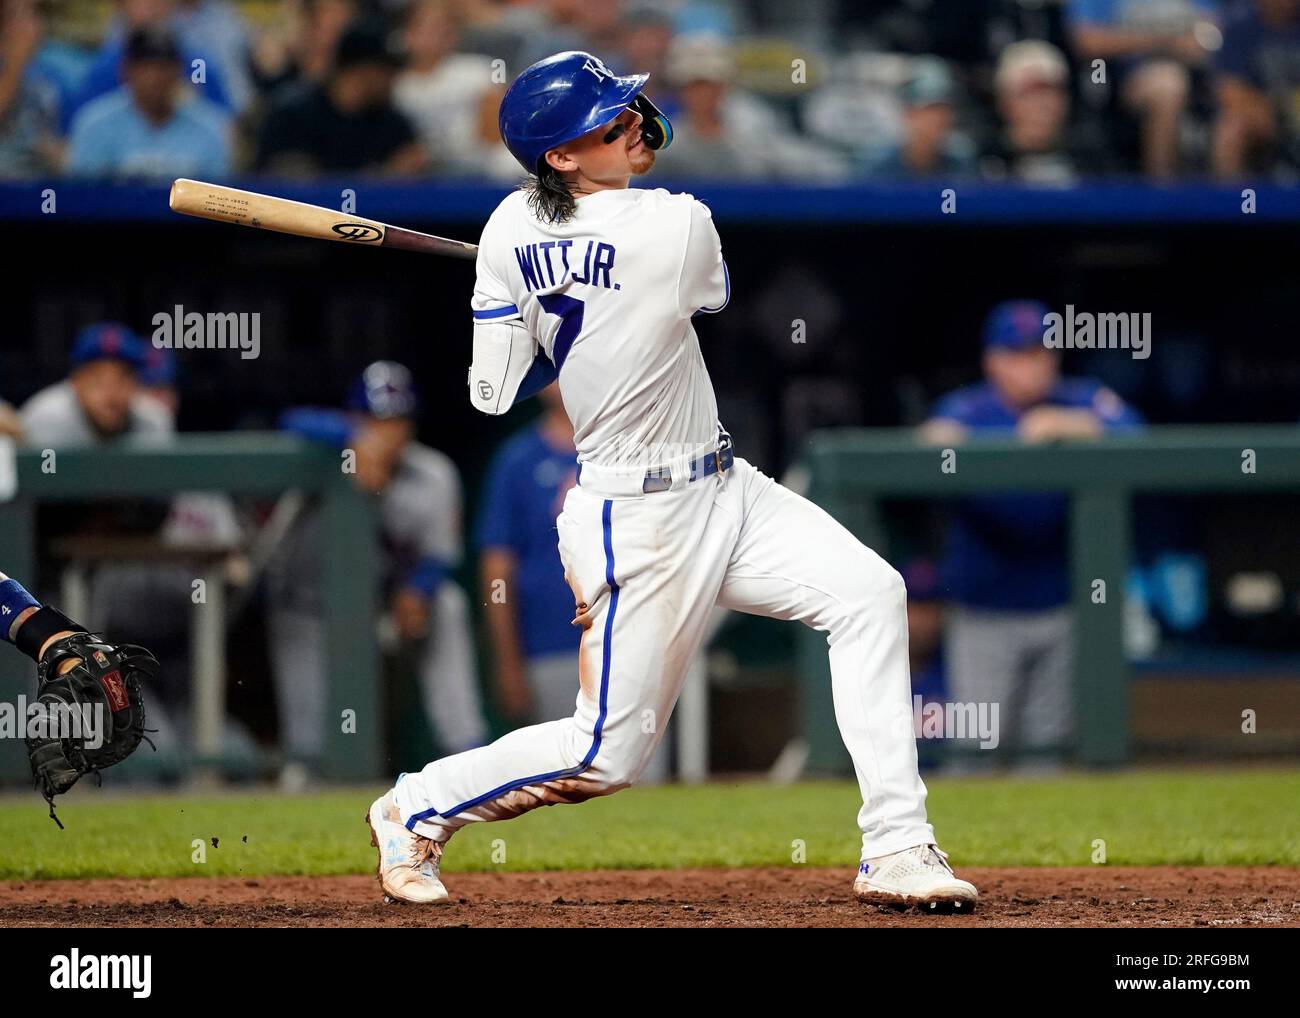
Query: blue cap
{"x": 1015, "y": 325}
{"x": 566, "y": 95}
{"x": 108, "y": 341}
{"x": 385, "y": 389}
{"x": 159, "y": 366}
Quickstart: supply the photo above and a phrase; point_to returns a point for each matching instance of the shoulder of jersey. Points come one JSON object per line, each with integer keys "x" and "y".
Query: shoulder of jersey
{"x": 58, "y": 396}
{"x": 150, "y": 415}
{"x": 679, "y": 199}
{"x": 510, "y": 207}
{"x": 512, "y": 204}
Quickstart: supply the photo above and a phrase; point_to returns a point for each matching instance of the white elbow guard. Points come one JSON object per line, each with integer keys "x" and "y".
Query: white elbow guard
{"x": 503, "y": 353}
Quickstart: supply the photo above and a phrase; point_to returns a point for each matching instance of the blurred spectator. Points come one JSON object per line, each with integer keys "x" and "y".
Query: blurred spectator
{"x": 501, "y": 31}
{"x": 349, "y": 123}
{"x": 30, "y": 94}
{"x": 418, "y": 499}
{"x": 723, "y": 131}
{"x": 219, "y": 29}
{"x": 1258, "y": 88}
{"x": 100, "y": 400}
{"x": 644, "y": 44}
{"x": 930, "y": 146}
{"x": 1008, "y": 637}
{"x": 300, "y": 49}
{"x": 528, "y": 603}
{"x": 152, "y": 127}
{"x": 591, "y": 25}
{"x": 204, "y": 70}
{"x": 1150, "y": 47}
{"x": 441, "y": 90}
{"x": 1035, "y": 144}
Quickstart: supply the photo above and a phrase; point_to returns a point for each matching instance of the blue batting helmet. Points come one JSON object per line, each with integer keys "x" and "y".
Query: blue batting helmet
{"x": 566, "y": 95}
{"x": 385, "y": 389}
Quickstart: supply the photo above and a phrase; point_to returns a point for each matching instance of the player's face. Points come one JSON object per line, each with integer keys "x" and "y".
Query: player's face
{"x": 1024, "y": 377}
{"x": 610, "y": 155}
{"x": 379, "y": 443}
{"x": 104, "y": 389}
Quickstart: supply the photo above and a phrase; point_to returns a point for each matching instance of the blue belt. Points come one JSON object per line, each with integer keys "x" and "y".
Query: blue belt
{"x": 715, "y": 462}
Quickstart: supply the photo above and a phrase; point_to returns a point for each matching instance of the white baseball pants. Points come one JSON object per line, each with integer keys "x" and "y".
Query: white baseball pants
{"x": 645, "y": 570}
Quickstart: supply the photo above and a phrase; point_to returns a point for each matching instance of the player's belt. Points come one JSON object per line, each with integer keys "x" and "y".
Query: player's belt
{"x": 715, "y": 462}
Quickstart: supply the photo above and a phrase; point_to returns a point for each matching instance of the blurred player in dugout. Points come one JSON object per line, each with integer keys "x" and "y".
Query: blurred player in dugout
{"x": 528, "y": 604}
{"x": 418, "y": 490}
{"x": 120, "y": 387}
{"x": 1008, "y": 633}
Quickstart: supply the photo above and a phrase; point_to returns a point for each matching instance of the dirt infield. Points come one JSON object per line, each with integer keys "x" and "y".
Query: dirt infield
{"x": 1166, "y": 896}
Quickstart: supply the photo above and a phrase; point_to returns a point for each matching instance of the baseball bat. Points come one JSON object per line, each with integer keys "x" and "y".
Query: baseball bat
{"x": 248, "y": 208}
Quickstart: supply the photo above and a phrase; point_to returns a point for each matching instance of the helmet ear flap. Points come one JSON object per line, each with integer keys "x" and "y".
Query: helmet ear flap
{"x": 656, "y": 131}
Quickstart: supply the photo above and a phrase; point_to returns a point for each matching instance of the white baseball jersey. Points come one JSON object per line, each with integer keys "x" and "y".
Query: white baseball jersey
{"x": 607, "y": 298}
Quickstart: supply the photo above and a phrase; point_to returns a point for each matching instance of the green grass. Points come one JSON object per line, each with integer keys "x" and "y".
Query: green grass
{"x": 1145, "y": 817}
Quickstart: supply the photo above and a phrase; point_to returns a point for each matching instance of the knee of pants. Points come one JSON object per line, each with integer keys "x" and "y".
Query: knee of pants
{"x": 618, "y": 765}
{"x": 870, "y": 584}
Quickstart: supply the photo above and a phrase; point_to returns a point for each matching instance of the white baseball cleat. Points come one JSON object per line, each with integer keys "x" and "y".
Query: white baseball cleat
{"x": 408, "y": 863}
{"x": 918, "y": 876}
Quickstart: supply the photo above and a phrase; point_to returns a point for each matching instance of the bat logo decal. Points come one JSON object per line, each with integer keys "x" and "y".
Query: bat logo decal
{"x": 359, "y": 232}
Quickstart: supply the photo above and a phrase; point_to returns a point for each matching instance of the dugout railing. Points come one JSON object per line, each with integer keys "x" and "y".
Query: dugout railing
{"x": 852, "y": 471}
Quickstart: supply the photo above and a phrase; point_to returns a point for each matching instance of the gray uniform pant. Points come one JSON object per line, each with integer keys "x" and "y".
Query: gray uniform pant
{"x": 1021, "y": 661}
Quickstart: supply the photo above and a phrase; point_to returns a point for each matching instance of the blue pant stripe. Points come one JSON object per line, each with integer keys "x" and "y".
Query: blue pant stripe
{"x": 606, "y": 662}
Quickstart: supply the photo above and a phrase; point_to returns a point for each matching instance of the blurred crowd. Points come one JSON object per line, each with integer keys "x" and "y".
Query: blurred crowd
{"x": 1043, "y": 91}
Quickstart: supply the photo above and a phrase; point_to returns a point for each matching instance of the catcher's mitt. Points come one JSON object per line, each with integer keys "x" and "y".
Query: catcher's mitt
{"x": 107, "y": 680}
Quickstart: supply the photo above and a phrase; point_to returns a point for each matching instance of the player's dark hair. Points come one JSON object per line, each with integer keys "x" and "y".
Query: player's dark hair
{"x": 549, "y": 196}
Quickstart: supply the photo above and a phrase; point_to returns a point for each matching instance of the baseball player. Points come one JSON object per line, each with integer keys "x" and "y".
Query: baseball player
{"x": 418, "y": 493}
{"x": 100, "y": 400}
{"x": 583, "y": 278}
{"x": 1008, "y": 629}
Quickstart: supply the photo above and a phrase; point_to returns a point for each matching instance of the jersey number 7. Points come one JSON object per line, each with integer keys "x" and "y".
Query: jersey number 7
{"x": 570, "y": 311}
